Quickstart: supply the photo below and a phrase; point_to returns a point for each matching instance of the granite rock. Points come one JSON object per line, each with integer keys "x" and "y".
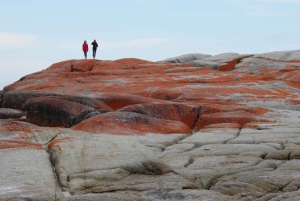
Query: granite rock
{"x": 193, "y": 127}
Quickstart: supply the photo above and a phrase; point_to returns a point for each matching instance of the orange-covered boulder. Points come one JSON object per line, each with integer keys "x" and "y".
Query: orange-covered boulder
{"x": 55, "y": 112}
{"x": 237, "y": 117}
{"x": 187, "y": 114}
{"x": 130, "y": 123}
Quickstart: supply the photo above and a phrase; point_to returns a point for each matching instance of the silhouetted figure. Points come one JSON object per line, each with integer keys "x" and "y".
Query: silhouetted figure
{"x": 95, "y": 45}
{"x": 85, "y": 48}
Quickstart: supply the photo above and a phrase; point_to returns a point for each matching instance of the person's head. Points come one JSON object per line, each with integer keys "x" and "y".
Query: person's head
{"x": 94, "y": 40}
{"x": 84, "y": 41}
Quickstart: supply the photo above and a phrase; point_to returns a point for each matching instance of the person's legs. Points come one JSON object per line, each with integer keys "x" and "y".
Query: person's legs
{"x": 85, "y": 54}
{"x": 94, "y": 52}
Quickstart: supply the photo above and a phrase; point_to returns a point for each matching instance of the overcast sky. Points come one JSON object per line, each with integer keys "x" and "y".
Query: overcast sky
{"x": 37, "y": 33}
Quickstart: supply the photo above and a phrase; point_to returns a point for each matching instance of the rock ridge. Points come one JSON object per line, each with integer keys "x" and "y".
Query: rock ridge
{"x": 192, "y": 127}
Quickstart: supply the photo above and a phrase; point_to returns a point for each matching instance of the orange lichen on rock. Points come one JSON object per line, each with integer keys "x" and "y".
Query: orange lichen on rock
{"x": 10, "y": 144}
{"x": 130, "y": 123}
{"x": 222, "y": 90}
{"x": 177, "y": 112}
{"x": 223, "y": 126}
{"x": 239, "y": 117}
{"x": 57, "y": 141}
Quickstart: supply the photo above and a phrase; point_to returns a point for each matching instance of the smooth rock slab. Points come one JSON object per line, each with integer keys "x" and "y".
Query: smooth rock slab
{"x": 257, "y": 150}
{"x": 281, "y": 55}
{"x": 214, "y": 137}
{"x": 187, "y": 114}
{"x": 290, "y": 196}
{"x": 262, "y": 181}
{"x": 7, "y": 113}
{"x": 101, "y": 163}
{"x": 156, "y": 195}
{"x": 160, "y": 141}
{"x": 130, "y": 123}
{"x": 223, "y": 163}
{"x": 27, "y": 175}
{"x": 187, "y": 58}
{"x": 18, "y": 131}
{"x": 279, "y": 133}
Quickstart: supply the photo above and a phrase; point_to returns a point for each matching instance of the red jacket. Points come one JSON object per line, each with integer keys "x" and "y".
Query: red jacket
{"x": 85, "y": 47}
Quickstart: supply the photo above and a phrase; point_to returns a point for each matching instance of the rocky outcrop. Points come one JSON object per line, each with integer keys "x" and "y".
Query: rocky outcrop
{"x": 7, "y": 113}
{"x": 192, "y": 127}
{"x": 187, "y": 58}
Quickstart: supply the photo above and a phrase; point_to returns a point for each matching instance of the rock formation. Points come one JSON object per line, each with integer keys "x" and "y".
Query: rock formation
{"x": 192, "y": 127}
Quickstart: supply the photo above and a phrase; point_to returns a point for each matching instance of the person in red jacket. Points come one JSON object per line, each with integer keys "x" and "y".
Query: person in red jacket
{"x": 85, "y": 48}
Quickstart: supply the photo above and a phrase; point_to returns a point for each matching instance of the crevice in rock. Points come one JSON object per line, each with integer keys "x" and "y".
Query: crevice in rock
{"x": 237, "y": 171}
{"x": 191, "y": 161}
{"x": 59, "y": 187}
{"x": 289, "y": 156}
{"x": 84, "y": 165}
{"x": 196, "y": 120}
{"x": 238, "y": 134}
{"x": 283, "y": 186}
{"x": 46, "y": 144}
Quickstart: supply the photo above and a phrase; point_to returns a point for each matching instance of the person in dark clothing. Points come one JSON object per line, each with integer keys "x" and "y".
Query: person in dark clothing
{"x": 95, "y": 45}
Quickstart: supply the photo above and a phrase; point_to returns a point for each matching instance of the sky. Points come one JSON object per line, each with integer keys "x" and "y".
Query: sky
{"x": 37, "y": 33}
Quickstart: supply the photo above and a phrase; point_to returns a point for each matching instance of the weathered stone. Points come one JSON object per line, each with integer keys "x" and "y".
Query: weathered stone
{"x": 47, "y": 111}
{"x": 177, "y": 112}
{"x": 265, "y": 181}
{"x": 230, "y": 149}
{"x": 156, "y": 195}
{"x": 160, "y": 141}
{"x": 281, "y": 55}
{"x": 19, "y": 133}
{"x": 6, "y": 113}
{"x": 209, "y": 64}
{"x": 240, "y": 117}
{"x": 221, "y": 62}
{"x": 179, "y": 148}
{"x": 187, "y": 58}
{"x": 268, "y": 133}
{"x": 231, "y": 130}
{"x": 130, "y": 123}
{"x": 221, "y": 136}
{"x": 102, "y": 163}
{"x": 27, "y": 174}
{"x": 278, "y": 155}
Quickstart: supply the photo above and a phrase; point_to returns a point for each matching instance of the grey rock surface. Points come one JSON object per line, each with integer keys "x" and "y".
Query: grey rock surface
{"x": 225, "y": 57}
{"x": 7, "y": 113}
{"x": 281, "y": 55}
{"x": 103, "y": 163}
{"x": 153, "y": 195}
{"x": 27, "y": 175}
{"x": 202, "y": 63}
{"x": 187, "y": 58}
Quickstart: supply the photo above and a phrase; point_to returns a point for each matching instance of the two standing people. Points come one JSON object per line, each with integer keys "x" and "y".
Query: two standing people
{"x": 85, "y": 48}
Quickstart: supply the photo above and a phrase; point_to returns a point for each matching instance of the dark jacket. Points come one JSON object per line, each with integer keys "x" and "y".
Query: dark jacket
{"x": 94, "y": 44}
